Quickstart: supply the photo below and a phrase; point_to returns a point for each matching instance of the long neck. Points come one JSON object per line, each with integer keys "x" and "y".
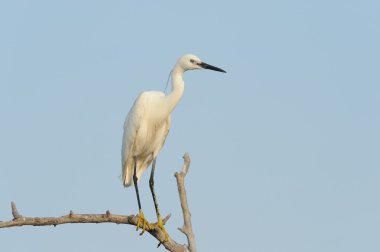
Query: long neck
{"x": 178, "y": 87}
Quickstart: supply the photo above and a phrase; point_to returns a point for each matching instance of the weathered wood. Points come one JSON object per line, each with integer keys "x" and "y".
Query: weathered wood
{"x": 187, "y": 228}
{"x": 108, "y": 217}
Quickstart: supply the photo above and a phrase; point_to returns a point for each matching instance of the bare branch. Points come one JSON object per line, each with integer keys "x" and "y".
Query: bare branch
{"x": 19, "y": 220}
{"x": 170, "y": 244}
{"x": 15, "y": 213}
{"x": 187, "y": 228}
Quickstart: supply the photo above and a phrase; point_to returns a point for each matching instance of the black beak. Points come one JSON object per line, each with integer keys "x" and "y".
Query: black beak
{"x": 207, "y": 66}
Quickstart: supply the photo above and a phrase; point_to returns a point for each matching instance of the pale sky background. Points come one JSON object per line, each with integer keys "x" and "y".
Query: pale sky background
{"x": 284, "y": 147}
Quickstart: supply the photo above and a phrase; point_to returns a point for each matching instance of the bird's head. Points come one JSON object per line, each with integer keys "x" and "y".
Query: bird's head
{"x": 192, "y": 62}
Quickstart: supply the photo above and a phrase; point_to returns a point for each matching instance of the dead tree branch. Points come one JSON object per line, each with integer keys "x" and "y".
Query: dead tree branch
{"x": 187, "y": 228}
{"x": 19, "y": 220}
{"x": 107, "y": 217}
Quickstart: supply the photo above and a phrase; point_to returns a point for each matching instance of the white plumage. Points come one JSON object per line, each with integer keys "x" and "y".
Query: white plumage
{"x": 148, "y": 121}
{"x": 145, "y": 131}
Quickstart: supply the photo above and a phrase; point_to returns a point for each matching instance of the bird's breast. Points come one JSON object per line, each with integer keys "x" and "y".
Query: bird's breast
{"x": 150, "y": 137}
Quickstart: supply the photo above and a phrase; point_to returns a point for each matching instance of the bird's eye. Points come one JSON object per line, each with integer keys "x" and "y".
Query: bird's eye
{"x": 192, "y": 61}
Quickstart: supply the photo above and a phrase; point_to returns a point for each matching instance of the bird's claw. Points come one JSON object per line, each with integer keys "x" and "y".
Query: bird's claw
{"x": 160, "y": 225}
{"x": 145, "y": 225}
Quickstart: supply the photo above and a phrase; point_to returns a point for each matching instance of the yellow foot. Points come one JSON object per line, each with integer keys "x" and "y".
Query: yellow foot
{"x": 160, "y": 225}
{"x": 143, "y": 222}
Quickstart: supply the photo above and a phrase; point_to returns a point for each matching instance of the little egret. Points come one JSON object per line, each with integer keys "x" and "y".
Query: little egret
{"x": 145, "y": 130}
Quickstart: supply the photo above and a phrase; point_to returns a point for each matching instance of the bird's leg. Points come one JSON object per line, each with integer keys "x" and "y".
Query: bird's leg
{"x": 141, "y": 219}
{"x": 159, "y": 223}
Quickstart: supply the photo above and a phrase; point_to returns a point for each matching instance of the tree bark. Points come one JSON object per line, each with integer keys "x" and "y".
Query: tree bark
{"x": 108, "y": 217}
{"x": 187, "y": 228}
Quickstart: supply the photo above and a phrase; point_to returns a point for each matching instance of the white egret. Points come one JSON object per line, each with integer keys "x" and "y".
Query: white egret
{"x": 145, "y": 130}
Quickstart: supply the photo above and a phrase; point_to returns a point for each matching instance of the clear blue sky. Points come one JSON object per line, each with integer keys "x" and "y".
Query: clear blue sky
{"x": 284, "y": 147}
